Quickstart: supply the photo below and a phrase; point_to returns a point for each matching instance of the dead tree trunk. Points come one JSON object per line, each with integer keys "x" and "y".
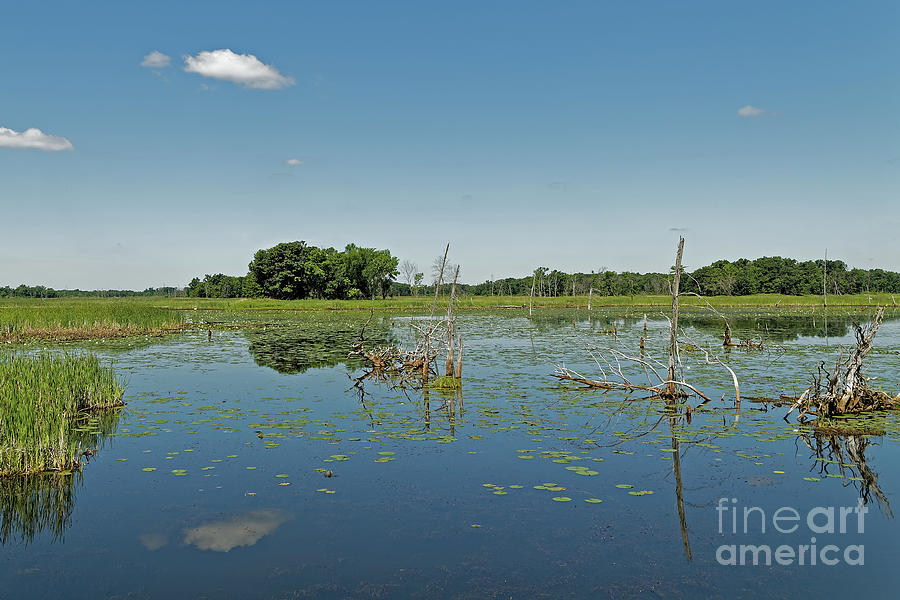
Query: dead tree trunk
{"x": 531, "y": 297}
{"x": 672, "y": 389}
{"x": 854, "y": 382}
{"x": 437, "y": 284}
{"x": 844, "y": 390}
{"x": 448, "y": 368}
{"x": 426, "y": 361}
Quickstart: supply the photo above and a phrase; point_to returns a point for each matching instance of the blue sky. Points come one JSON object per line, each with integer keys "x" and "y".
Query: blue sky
{"x": 579, "y": 136}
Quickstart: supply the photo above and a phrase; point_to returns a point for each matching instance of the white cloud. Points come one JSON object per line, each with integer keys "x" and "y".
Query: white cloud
{"x": 243, "y": 530}
{"x": 243, "y": 69}
{"x": 750, "y": 111}
{"x": 33, "y": 138}
{"x": 156, "y": 60}
{"x": 293, "y": 162}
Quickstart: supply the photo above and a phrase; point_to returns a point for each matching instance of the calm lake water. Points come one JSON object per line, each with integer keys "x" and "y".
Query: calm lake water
{"x": 448, "y": 496}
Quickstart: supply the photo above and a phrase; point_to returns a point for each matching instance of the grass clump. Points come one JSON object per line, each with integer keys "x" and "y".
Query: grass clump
{"x": 445, "y": 382}
{"x": 65, "y": 319}
{"x": 47, "y": 410}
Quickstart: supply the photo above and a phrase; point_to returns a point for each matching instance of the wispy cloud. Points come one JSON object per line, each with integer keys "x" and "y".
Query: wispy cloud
{"x": 293, "y": 162}
{"x": 156, "y": 60}
{"x": 33, "y": 138}
{"x": 152, "y": 541}
{"x": 679, "y": 229}
{"x": 242, "y": 69}
{"x": 750, "y": 111}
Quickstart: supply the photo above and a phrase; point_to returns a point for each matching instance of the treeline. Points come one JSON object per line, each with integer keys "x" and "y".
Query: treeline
{"x": 766, "y": 275}
{"x": 40, "y": 291}
{"x": 224, "y": 286}
{"x": 776, "y": 275}
{"x": 557, "y": 283}
{"x": 296, "y": 270}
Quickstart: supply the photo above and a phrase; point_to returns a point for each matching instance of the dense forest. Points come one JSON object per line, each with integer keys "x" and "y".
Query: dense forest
{"x": 297, "y": 270}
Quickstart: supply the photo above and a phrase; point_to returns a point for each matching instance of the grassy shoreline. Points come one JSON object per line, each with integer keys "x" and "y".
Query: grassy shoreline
{"x": 84, "y": 318}
{"x": 73, "y": 319}
{"x": 423, "y": 303}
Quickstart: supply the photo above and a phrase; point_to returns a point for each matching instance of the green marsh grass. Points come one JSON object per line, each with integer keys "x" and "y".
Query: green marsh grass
{"x": 48, "y": 411}
{"x": 424, "y": 303}
{"x": 78, "y": 319}
{"x": 69, "y": 319}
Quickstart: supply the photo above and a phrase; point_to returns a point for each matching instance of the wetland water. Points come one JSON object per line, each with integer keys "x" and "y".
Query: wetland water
{"x": 521, "y": 487}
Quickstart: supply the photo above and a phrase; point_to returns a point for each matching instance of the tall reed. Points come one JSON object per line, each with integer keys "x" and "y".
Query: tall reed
{"x": 46, "y": 410}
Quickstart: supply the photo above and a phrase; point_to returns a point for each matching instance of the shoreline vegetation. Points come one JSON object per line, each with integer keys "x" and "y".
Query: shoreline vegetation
{"x": 54, "y": 410}
{"x": 462, "y": 302}
{"x": 51, "y": 320}
{"x": 66, "y": 319}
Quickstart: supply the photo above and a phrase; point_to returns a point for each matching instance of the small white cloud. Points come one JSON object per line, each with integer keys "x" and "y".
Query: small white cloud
{"x": 243, "y": 530}
{"x": 293, "y": 162}
{"x": 152, "y": 541}
{"x": 156, "y": 60}
{"x": 243, "y": 69}
{"x": 33, "y": 138}
{"x": 750, "y": 111}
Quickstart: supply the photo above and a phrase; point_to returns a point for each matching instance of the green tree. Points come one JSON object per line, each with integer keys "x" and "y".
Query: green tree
{"x": 289, "y": 271}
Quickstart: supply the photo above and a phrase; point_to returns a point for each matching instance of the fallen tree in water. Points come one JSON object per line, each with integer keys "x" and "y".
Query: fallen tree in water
{"x": 844, "y": 390}
{"x": 835, "y": 450}
{"x": 419, "y": 363}
{"x": 748, "y": 343}
{"x": 662, "y": 378}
